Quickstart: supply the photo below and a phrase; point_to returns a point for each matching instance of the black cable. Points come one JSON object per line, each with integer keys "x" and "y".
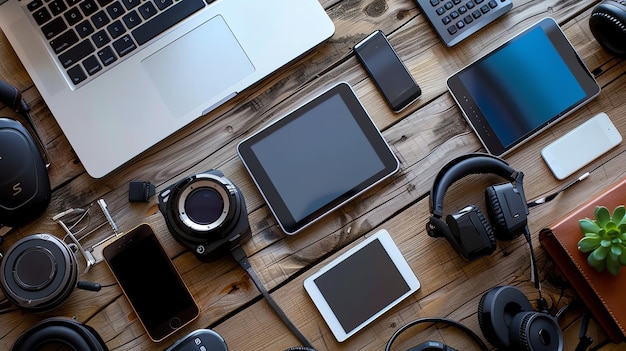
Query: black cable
{"x": 241, "y": 257}
{"x": 533, "y": 263}
{"x": 450, "y": 322}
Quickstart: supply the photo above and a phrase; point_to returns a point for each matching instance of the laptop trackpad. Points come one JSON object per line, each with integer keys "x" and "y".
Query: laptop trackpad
{"x": 198, "y": 66}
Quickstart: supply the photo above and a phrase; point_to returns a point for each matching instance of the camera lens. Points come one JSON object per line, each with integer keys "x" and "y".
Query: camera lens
{"x": 204, "y": 205}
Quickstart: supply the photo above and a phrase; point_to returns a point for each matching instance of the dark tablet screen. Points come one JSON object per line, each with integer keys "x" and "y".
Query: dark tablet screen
{"x": 317, "y": 158}
{"x": 362, "y": 285}
{"x": 522, "y": 87}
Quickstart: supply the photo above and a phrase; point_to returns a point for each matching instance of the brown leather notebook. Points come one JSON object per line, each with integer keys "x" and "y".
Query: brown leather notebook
{"x": 603, "y": 293}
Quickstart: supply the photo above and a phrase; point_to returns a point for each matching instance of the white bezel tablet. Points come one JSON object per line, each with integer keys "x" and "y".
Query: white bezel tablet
{"x": 361, "y": 284}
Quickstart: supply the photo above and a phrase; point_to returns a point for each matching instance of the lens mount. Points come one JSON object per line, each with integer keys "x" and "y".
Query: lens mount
{"x": 206, "y": 203}
{"x": 206, "y": 213}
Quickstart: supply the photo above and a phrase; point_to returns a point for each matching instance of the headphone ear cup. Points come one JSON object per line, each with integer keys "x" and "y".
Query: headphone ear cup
{"x": 494, "y": 209}
{"x": 507, "y": 209}
{"x": 470, "y": 233}
{"x": 488, "y": 229}
{"x": 496, "y": 311}
{"x": 536, "y": 331}
{"x": 64, "y": 331}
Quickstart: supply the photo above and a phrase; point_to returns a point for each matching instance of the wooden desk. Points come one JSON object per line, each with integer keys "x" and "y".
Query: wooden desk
{"x": 425, "y": 136}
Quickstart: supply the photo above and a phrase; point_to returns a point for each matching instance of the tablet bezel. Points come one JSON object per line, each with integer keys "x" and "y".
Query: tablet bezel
{"x": 273, "y": 198}
{"x": 400, "y": 264}
{"x": 479, "y": 123}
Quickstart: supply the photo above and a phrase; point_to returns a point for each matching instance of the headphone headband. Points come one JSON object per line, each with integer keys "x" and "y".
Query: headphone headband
{"x": 474, "y": 163}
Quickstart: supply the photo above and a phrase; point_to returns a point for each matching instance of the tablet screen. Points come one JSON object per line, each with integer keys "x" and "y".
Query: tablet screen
{"x": 317, "y": 158}
{"x": 522, "y": 87}
{"x": 361, "y": 284}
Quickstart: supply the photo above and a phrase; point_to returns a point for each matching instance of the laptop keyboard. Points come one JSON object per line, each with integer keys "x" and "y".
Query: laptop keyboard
{"x": 455, "y": 20}
{"x": 89, "y": 36}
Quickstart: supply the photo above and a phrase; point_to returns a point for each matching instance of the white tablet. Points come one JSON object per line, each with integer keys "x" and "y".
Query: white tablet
{"x": 361, "y": 284}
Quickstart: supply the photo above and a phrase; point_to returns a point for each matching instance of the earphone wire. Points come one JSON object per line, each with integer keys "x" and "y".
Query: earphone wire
{"x": 534, "y": 272}
{"x": 543, "y": 200}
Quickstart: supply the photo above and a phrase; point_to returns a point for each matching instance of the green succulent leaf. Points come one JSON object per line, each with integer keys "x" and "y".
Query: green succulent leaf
{"x": 604, "y": 239}
{"x": 622, "y": 257}
{"x": 618, "y": 214}
{"x": 599, "y": 265}
{"x": 616, "y": 251}
{"x": 602, "y": 216}
{"x": 589, "y": 226}
{"x": 588, "y": 244}
{"x": 600, "y": 253}
{"x": 612, "y": 263}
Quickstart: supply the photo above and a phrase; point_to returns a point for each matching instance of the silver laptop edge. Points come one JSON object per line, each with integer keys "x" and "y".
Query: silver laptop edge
{"x": 116, "y": 116}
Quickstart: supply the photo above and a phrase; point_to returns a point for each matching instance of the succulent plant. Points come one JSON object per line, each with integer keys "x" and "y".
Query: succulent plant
{"x": 605, "y": 239}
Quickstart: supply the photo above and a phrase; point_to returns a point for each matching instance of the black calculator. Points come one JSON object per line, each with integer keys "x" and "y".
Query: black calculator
{"x": 455, "y": 20}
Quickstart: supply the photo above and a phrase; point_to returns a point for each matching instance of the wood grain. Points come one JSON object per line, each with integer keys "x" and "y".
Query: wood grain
{"x": 425, "y": 136}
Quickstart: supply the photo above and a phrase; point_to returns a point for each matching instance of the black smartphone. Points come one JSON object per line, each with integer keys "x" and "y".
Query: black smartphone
{"x": 151, "y": 283}
{"x": 391, "y": 76}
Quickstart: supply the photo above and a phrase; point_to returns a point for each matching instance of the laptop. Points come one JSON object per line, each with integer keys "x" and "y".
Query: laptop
{"x": 121, "y": 75}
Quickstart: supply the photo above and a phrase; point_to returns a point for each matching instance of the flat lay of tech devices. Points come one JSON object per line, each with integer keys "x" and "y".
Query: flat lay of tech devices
{"x": 317, "y": 157}
{"x": 105, "y": 85}
{"x": 361, "y": 284}
{"x": 522, "y": 87}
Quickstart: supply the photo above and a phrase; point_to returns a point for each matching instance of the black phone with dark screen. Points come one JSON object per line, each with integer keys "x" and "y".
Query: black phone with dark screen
{"x": 151, "y": 283}
{"x": 390, "y": 75}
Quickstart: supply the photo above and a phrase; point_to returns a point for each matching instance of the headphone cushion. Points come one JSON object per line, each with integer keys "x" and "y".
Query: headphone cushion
{"x": 494, "y": 209}
{"x": 496, "y": 310}
{"x": 64, "y": 331}
{"x": 607, "y": 22}
{"x": 488, "y": 229}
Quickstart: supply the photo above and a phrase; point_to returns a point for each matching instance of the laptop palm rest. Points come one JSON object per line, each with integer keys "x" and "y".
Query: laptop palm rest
{"x": 209, "y": 60}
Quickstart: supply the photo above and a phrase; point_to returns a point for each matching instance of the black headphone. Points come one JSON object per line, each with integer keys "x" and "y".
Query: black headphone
{"x": 39, "y": 272}
{"x": 436, "y": 345}
{"x": 468, "y": 231}
{"x": 58, "y": 330}
{"x": 509, "y": 322}
{"x": 608, "y": 25}
{"x": 206, "y": 213}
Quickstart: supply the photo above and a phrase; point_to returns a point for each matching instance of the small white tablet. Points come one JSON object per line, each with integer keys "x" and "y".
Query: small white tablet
{"x": 361, "y": 284}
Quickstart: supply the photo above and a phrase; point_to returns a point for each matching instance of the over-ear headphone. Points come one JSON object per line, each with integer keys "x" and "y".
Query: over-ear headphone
{"x": 509, "y": 322}
{"x": 206, "y": 213}
{"x": 436, "y": 345}
{"x": 39, "y": 272}
{"x": 60, "y": 331}
{"x": 468, "y": 231}
{"x": 608, "y": 25}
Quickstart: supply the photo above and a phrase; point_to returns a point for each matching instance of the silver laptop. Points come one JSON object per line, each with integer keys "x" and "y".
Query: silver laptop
{"x": 121, "y": 75}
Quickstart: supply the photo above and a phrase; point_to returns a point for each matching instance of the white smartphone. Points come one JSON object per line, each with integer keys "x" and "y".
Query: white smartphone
{"x": 361, "y": 284}
{"x": 581, "y": 145}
